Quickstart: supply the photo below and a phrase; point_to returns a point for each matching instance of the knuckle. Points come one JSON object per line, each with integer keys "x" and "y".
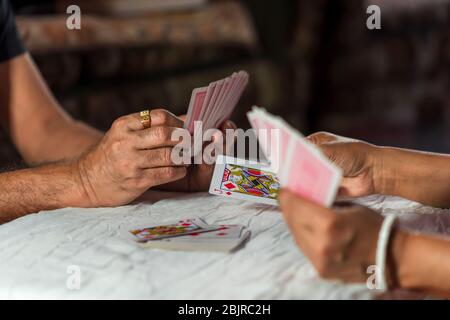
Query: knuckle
{"x": 168, "y": 172}
{"x": 161, "y": 157}
{"x": 120, "y": 123}
{"x": 322, "y": 134}
{"x": 162, "y": 115}
{"x": 167, "y": 155}
{"x": 320, "y": 137}
{"x": 163, "y": 134}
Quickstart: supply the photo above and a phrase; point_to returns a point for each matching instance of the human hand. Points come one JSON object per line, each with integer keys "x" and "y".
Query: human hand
{"x": 340, "y": 242}
{"x": 130, "y": 159}
{"x": 359, "y": 161}
{"x": 198, "y": 177}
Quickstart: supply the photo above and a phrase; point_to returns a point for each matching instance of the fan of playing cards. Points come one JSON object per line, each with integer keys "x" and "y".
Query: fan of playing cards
{"x": 187, "y": 235}
{"x": 301, "y": 166}
{"x": 213, "y": 104}
{"x": 295, "y": 164}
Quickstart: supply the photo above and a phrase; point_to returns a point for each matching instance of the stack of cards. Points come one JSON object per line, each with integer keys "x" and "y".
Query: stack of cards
{"x": 188, "y": 235}
{"x": 212, "y": 105}
{"x": 300, "y": 165}
{"x": 244, "y": 180}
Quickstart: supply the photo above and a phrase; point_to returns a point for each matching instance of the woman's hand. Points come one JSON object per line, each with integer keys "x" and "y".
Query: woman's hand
{"x": 359, "y": 161}
{"x": 340, "y": 242}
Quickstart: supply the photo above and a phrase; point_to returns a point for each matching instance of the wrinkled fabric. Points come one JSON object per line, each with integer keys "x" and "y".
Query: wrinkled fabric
{"x": 38, "y": 252}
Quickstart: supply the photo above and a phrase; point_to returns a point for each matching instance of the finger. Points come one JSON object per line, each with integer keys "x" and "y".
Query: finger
{"x": 157, "y": 176}
{"x": 301, "y": 209}
{"x": 157, "y": 137}
{"x": 328, "y": 150}
{"x": 131, "y": 122}
{"x": 156, "y": 158}
{"x": 183, "y": 117}
{"x": 158, "y": 117}
{"x": 319, "y": 138}
{"x": 346, "y": 191}
{"x": 228, "y": 124}
{"x": 162, "y": 117}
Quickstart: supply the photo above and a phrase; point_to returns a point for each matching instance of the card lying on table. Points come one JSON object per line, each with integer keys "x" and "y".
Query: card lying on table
{"x": 177, "y": 228}
{"x": 244, "y": 180}
{"x": 226, "y": 238}
{"x": 300, "y": 165}
{"x": 188, "y": 235}
{"x": 214, "y": 104}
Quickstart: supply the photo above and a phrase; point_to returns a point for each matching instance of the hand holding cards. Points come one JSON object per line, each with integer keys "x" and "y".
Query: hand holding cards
{"x": 295, "y": 164}
{"x": 188, "y": 235}
{"x": 301, "y": 166}
{"x": 213, "y": 104}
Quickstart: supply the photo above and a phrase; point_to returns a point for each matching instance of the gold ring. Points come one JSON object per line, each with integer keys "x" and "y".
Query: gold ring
{"x": 145, "y": 119}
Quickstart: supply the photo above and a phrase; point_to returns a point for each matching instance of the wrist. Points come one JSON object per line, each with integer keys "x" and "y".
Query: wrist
{"x": 84, "y": 180}
{"x": 400, "y": 271}
{"x": 383, "y": 173}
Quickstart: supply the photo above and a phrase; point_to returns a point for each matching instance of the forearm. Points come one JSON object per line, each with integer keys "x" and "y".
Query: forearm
{"x": 418, "y": 176}
{"x": 41, "y": 130}
{"x": 421, "y": 262}
{"x": 44, "y": 188}
{"x": 61, "y": 140}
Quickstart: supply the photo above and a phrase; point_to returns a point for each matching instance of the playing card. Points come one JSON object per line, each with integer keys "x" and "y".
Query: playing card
{"x": 268, "y": 131}
{"x": 309, "y": 174}
{"x": 147, "y": 232}
{"x": 305, "y": 170}
{"x": 240, "y": 84}
{"x": 227, "y": 238}
{"x": 213, "y": 101}
{"x": 195, "y": 107}
{"x": 212, "y": 105}
{"x": 218, "y": 110}
{"x": 244, "y": 180}
{"x": 223, "y": 233}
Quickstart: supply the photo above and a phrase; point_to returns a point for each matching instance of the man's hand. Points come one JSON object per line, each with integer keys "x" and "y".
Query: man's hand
{"x": 340, "y": 243}
{"x": 129, "y": 159}
{"x": 198, "y": 177}
{"x": 359, "y": 161}
{"x": 124, "y": 164}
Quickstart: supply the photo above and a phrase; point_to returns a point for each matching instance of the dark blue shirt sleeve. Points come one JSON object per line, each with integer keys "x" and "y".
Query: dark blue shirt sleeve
{"x": 10, "y": 43}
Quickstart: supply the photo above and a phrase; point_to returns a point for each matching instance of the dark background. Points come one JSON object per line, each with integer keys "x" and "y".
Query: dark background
{"x": 313, "y": 62}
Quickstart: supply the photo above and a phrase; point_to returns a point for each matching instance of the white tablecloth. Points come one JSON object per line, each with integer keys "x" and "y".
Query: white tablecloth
{"x": 37, "y": 250}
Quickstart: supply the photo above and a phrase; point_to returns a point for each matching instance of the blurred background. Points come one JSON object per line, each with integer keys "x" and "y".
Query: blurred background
{"x": 314, "y": 62}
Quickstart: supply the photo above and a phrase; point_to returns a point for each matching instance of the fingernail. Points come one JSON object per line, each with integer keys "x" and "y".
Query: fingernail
{"x": 231, "y": 125}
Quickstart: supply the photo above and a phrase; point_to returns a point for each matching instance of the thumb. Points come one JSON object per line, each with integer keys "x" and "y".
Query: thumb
{"x": 319, "y": 138}
{"x": 329, "y": 150}
{"x": 304, "y": 209}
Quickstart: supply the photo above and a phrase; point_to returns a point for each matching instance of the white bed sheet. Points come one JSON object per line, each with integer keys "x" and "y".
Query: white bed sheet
{"x": 36, "y": 251}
